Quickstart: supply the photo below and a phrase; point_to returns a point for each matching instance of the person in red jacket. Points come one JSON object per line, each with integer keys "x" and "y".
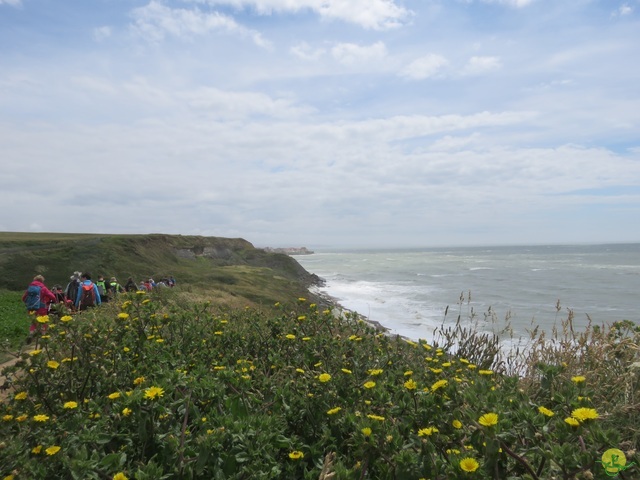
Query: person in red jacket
{"x": 37, "y": 298}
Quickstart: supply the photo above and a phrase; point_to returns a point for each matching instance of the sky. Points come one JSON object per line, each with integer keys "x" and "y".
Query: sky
{"x": 323, "y": 123}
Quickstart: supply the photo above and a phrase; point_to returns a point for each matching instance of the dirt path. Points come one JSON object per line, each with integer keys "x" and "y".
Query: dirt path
{"x": 6, "y": 390}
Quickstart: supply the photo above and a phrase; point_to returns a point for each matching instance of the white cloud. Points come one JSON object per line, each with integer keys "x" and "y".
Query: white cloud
{"x": 154, "y": 21}
{"x": 624, "y": 9}
{"x": 306, "y": 52}
{"x": 353, "y": 54}
{"x": 13, "y": 3}
{"x": 424, "y": 67}
{"x": 511, "y": 3}
{"x": 370, "y": 14}
{"x": 479, "y": 65}
{"x": 101, "y": 33}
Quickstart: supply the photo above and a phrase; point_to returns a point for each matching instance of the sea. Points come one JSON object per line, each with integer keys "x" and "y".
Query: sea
{"x": 412, "y": 292}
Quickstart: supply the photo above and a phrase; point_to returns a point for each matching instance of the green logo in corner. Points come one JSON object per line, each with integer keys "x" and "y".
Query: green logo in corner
{"x": 614, "y": 461}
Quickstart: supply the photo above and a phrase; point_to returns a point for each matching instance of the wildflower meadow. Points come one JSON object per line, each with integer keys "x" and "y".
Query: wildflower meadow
{"x": 153, "y": 387}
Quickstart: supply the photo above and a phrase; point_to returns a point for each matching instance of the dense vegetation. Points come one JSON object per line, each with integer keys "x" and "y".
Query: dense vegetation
{"x": 154, "y": 387}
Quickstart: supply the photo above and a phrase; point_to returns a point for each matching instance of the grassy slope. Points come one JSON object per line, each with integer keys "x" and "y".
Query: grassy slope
{"x": 232, "y": 273}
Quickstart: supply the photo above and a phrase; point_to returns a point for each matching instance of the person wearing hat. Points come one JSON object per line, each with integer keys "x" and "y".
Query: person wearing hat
{"x": 71, "y": 292}
{"x": 114, "y": 287}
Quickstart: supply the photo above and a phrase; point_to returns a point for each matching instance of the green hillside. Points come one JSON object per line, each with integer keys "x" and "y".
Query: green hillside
{"x": 231, "y": 270}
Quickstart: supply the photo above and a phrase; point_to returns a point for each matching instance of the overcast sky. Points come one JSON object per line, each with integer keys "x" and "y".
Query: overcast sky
{"x": 323, "y": 123}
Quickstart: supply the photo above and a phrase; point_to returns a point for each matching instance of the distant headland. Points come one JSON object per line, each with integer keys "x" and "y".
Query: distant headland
{"x": 289, "y": 250}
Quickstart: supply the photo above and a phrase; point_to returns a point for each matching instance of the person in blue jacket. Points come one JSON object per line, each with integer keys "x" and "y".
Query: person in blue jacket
{"x": 88, "y": 293}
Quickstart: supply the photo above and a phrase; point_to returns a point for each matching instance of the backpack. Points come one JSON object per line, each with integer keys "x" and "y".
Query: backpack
{"x": 87, "y": 296}
{"x": 32, "y": 300}
{"x": 101, "y": 289}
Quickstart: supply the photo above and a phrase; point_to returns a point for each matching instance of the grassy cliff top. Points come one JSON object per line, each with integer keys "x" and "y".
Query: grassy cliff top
{"x": 230, "y": 269}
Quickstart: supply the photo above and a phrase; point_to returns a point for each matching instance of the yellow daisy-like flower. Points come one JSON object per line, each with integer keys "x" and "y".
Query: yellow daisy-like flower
{"x": 572, "y": 421}
{"x": 369, "y": 384}
{"x": 376, "y": 417}
{"x": 439, "y": 384}
{"x": 70, "y": 405}
{"x": 457, "y": 424}
{"x": 138, "y": 381}
{"x": 306, "y": 339}
{"x": 296, "y": 455}
{"x": 123, "y": 315}
{"x": 7, "y": 418}
{"x": 485, "y": 372}
{"x": 53, "y": 364}
{"x": 37, "y": 449}
{"x": 153, "y": 392}
{"x": 20, "y": 396}
{"x": 374, "y": 372}
{"x": 126, "y": 412}
{"x": 52, "y": 450}
{"x": 366, "y": 431}
{"x": 290, "y": 336}
{"x": 410, "y": 384}
{"x": 408, "y": 373}
{"x": 347, "y": 371}
{"x": 427, "y": 432}
{"x": 299, "y": 370}
{"x": 333, "y": 411}
{"x": 546, "y": 411}
{"x": 66, "y": 318}
{"x": 302, "y": 317}
{"x": 120, "y": 476}
{"x": 40, "y": 418}
{"x": 22, "y": 418}
{"x": 324, "y": 377}
{"x": 578, "y": 379}
{"x": 42, "y": 319}
{"x": 488, "y": 419}
{"x": 114, "y": 395}
{"x": 33, "y": 353}
{"x": 141, "y": 292}
{"x": 583, "y": 414}
{"x": 469, "y": 464}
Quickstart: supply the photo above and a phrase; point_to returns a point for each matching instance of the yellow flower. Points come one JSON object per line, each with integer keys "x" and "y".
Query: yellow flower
{"x": 369, "y": 384}
{"x": 572, "y": 421}
{"x": 21, "y": 418}
{"x": 469, "y": 464}
{"x": 114, "y": 395}
{"x": 299, "y": 370}
{"x": 290, "y": 336}
{"x": 153, "y": 392}
{"x": 488, "y": 419}
{"x": 53, "y": 364}
{"x": 347, "y": 371}
{"x": 583, "y": 414}
{"x": 138, "y": 381}
{"x": 123, "y": 316}
{"x": 457, "y": 424}
{"x": 333, "y": 411}
{"x": 296, "y": 455}
{"x": 324, "y": 377}
{"x": 52, "y": 450}
{"x": 37, "y": 449}
{"x": 40, "y": 418}
{"x": 42, "y": 319}
{"x": 302, "y": 299}
{"x": 427, "y": 432}
{"x": 375, "y": 372}
{"x": 126, "y": 412}
{"x": 120, "y": 476}
{"x": 439, "y": 384}
{"x": 485, "y": 372}
{"x": 366, "y": 431}
{"x": 302, "y": 317}
{"x": 66, "y": 318}
{"x": 70, "y": 405}
{"x": 546, "y": 411}
{"x": 408, "y": 373}
{"x": 33, "y": 353}
{"x": 410, "y": 385}
{"x": 126, "y": 349}
{"x": 7, "y": 418}
{"x": 21, "y": 396}
{"x": 578, "y": 379}
{"x": 376, "y": 417}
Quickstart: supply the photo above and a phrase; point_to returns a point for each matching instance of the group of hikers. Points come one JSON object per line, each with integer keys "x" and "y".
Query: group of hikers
{"x": 81, "y": 293}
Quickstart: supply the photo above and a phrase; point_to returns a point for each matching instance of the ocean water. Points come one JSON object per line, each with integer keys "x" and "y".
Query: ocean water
{"x": 408, "y": 291}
